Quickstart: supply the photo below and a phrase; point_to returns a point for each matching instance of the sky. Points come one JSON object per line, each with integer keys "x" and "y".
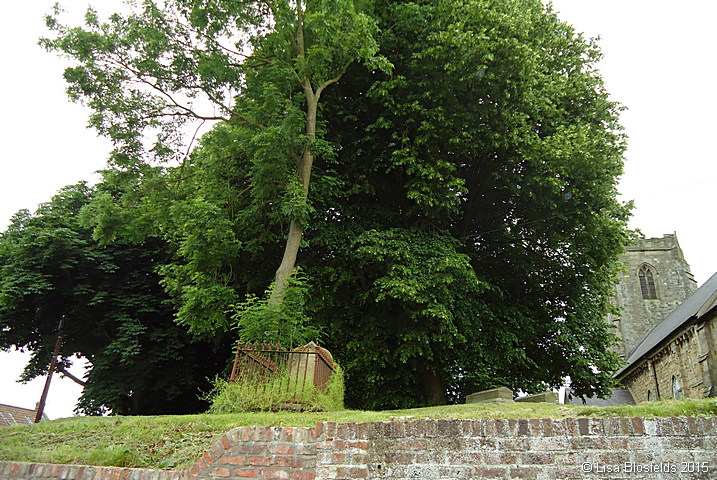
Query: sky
{"x": 658, "y": 63}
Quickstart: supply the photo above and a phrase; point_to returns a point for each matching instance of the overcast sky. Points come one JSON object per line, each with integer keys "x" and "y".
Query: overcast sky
{"x": 659, "y": 63}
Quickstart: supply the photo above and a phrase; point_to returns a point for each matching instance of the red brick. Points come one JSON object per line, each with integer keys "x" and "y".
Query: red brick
{"x": 363, "y": 431}
{"x": 692, "y": 423}
{"x": 281, "y": 449}
{"x": 362, "y": 445}
{"x": 398, "y": 429}
{"x": 209, "y": 458}
{"x": 219, "y": 472}
{"x": 535, "y": 427}
{"x": 247, "y": 473}
{"x": 250, "y": 448}
{"x": 325, "y": 445}
{"x": 304, "y": 475}
{"x": 276, "y": 474}
{"x": 330, "y": 429}
{"x": 201, "y": 465}
{"x": 259, "y": 461}
{"x": 226, "y": 443}
{"x": 262, "y": 434}
{"x": 235, "y": 460}
{"x": 352, "y": 472}
{"x": 288, "y": 461}
{"x": 638, "y": 426}
{"x": 320, "y": 429}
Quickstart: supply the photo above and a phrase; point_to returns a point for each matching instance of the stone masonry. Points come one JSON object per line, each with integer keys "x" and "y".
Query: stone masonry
{"x": 540, "y": 449}
{"x": 673, "y": 283}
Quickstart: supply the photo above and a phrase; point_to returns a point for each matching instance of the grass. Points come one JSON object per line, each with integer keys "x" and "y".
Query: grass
{"x": 176, "y": 442}
{"x": 281, "y": 390}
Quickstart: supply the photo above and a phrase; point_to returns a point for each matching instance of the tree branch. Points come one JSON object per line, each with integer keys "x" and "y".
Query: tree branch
{"x": 61, "y": 369}
{"x": 335, "y": 79}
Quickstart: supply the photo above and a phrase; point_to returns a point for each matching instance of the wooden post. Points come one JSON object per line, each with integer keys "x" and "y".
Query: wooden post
{"x": 53, "y": 364}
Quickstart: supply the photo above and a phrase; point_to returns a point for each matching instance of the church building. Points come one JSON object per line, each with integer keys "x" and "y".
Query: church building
{"x": 667, "y": 326}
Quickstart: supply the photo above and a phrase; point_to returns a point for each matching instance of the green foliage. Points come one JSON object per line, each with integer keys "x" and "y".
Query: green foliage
{"x": 331, "y": 397}
{"x": 461, "y": 171}
{"x": 144, "y": 75}
{"x": 494, "y": 137}
{"x": 281, "y": 391}
{"x": 116, "y": 313}
{"x": 259, "y": 320}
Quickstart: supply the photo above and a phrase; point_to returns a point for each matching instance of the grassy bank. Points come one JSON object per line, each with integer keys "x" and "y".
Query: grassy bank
{"x": 178, "y": 441}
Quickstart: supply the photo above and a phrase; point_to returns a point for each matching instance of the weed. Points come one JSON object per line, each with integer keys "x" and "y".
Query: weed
{"x": 283, "y": 391}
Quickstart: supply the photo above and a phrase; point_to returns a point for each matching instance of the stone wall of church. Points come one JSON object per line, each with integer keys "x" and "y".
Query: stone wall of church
{"x": 684, "y": 367}
{"x": 673, "y": 283}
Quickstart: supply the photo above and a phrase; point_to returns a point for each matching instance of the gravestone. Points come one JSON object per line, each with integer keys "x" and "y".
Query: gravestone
{"x": 544, "y": 397}
{"x": 500, "y": 394}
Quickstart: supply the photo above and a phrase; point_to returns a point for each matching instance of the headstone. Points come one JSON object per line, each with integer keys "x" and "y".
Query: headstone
{"x": 500, "y": 394}
{"x": 545, "y": 397}
{"x": 310, "y": 363}
{"x": 619, "y": 396}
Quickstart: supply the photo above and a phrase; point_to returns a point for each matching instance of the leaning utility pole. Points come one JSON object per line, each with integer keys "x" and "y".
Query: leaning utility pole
{"x": 53, "y": 364}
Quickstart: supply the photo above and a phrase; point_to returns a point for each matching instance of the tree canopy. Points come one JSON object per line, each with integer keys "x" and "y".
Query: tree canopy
{"x": 462, "y": 229}
{"x": 115, "y": 313}
{"x": 477, "y": 206}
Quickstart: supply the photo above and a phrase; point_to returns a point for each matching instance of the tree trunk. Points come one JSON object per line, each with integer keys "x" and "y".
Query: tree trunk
{"x": 433, "y": 388}
{"x": 293, "y": 241}
{"x": 288, "y": 261}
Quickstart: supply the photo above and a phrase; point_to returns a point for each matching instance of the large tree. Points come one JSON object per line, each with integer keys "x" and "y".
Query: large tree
{"x": 463, "y": 228}
{"x": 259, "y": 64}
{"x": 478, "y": 205}
{"x": 115, "y": 313}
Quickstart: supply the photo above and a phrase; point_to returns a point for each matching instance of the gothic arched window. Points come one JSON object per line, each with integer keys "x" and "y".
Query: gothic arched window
{"x": 676, "y": 388}
{"x": 647, "y": 283}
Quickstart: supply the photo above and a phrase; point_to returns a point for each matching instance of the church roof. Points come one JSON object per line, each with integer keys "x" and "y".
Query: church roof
{"x": 10, "y": 415}
{"x": 697, "y": 305}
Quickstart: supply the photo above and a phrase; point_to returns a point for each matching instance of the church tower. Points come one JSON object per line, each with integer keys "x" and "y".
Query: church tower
{"x": 656, "y": 280}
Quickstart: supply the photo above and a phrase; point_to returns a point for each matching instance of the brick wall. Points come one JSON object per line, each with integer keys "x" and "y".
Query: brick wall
{"x": 604, "y": 448}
